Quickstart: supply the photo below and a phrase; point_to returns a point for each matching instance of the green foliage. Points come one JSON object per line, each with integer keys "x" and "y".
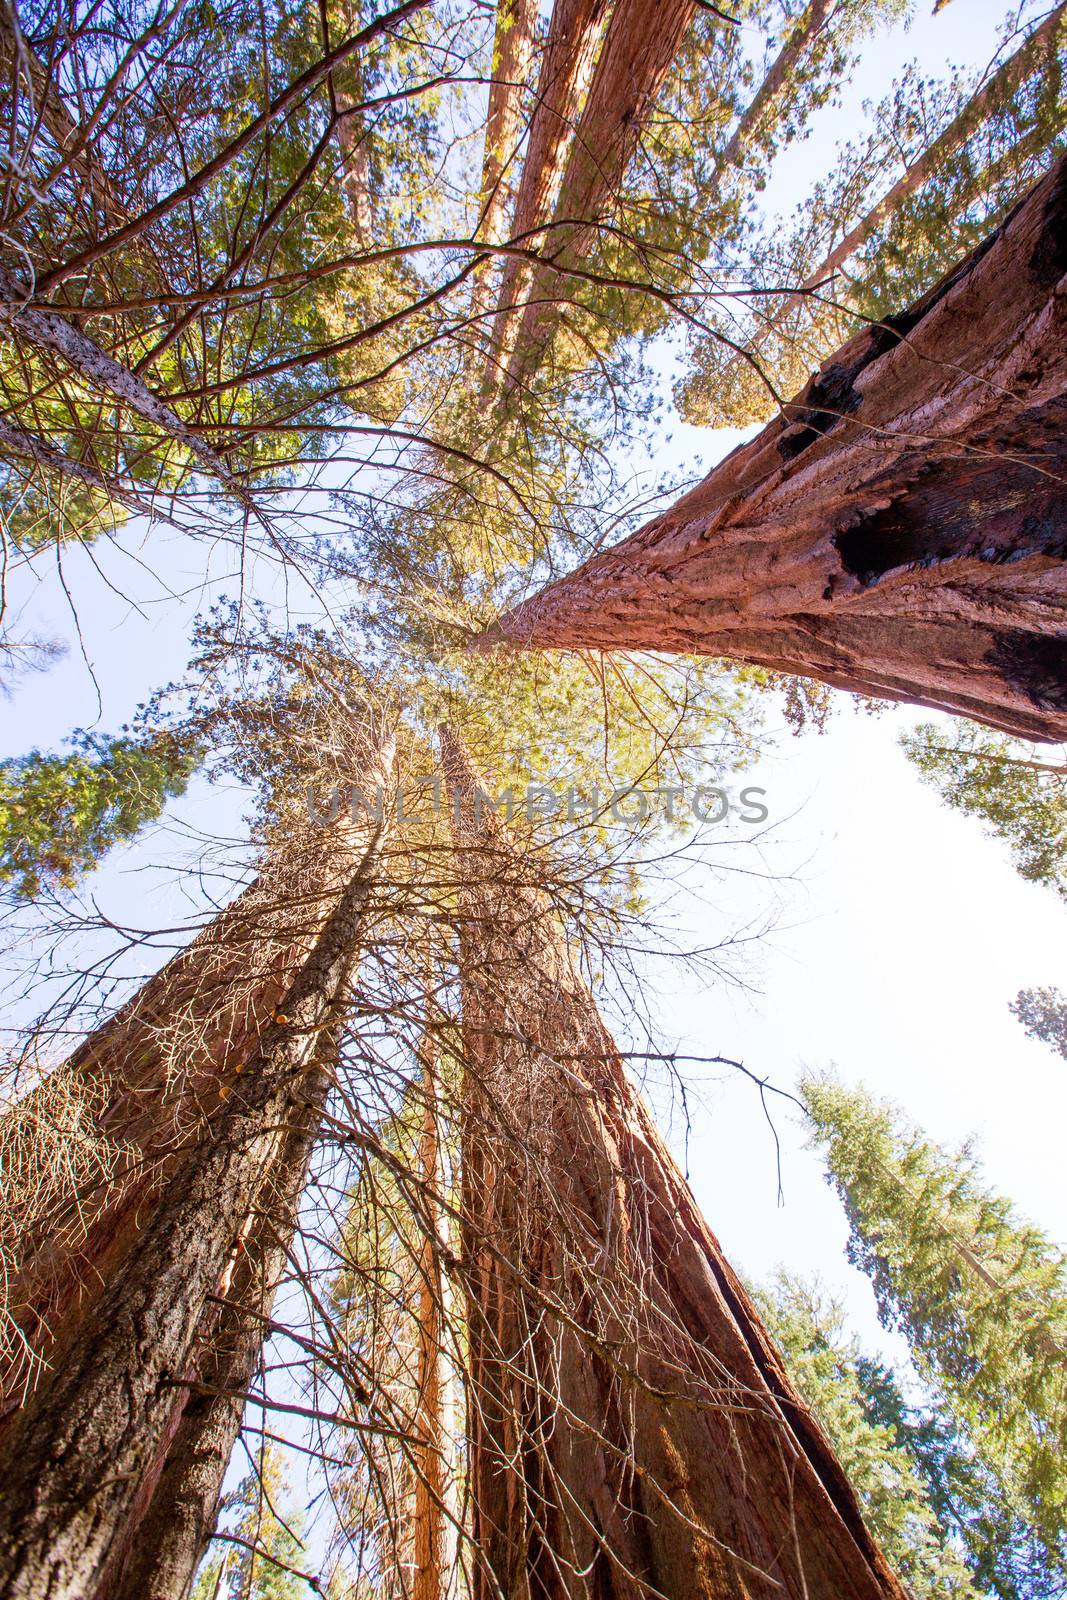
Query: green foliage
{"x": 980, "y": 1295}
{"x": 61, "y": 814}
{"x": 1043, "y": 1013}
{"x": 257, "y": 1515}
{"x": 901, "y": 243}
{"x": 992, "y": 777}
{"x": 829, "y": 1370}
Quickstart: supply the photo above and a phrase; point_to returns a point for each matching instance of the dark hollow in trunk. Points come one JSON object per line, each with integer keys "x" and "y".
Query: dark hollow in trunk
{"x": 899, "y": 531}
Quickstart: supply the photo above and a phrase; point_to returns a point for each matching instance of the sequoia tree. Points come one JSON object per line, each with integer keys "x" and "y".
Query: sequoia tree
{"x": 145, "y": 1312}
{"x": 631, "y": 1427}
{"x": 899, "y": 530}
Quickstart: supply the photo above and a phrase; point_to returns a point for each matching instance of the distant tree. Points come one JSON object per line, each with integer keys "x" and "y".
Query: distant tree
{"x": 61, "y": 814}
{"x": 1043, "y": 1013}
{"x": 1004, "y": 1556}
{"x": 980, "y": 1295}
{"x": 256, "y": 1563}
{"x": 1021, "y": 800}
{"x": 828, "y": 1368}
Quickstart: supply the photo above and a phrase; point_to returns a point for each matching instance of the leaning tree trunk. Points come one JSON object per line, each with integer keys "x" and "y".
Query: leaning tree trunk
{"x": 632, "y": 1430}
{"x": 180, "y": 1516}
{"x": 84, "y": 1458}
{"x": 900, "y": 531}
{"x": 152, "y": 1073}
{"x": 1041, "y": 49}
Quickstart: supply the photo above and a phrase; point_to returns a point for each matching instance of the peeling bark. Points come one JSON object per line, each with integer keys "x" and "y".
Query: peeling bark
{"x": 632, "y": 1430}
{"x": 900, "y": 530}
{"x": 81, "y": 1459}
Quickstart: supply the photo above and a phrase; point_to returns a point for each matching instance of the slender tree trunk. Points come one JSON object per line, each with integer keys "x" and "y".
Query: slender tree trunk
{"x": 29, "y": 76}
{"x": 434, "y": 1542}
{"x": 632, "y": 1431}
{"x": 512, "y": 58}
{"x": 637, "y": 55}
{"x": 347, "y": 94}
{"x": 900, "y": 531}
{"x": 802, "y": 35}
{"x": 84, "y": 1457}
{"x": 513, "y": 44}
{"x": 1043, "y": 44}
{"x": 566, "y": 68}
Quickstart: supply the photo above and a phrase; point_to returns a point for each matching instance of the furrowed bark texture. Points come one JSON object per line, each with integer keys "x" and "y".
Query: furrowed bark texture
{"x": 82, "y": 1459}
{"x": 900, "y": 531}
{"x": 639, "y": 48}
{"x": 632, "y": 1430}
{"x": 512, "y": 56}
{"x": 172, "y": 1534}
{"x": 157, "y": 1072}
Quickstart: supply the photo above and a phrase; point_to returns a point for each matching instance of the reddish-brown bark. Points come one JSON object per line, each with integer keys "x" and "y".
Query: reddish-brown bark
{"x": 82, "y": 1459}
{"x": 156, "y": 1071}
{"x": 512, "y": 59}
{"x": 900, "y": 531}
{"x": 566, "y": 66}
{"x": 182, "y": 1505}
{"x": 632, "y": 1430}
{"x": 639, "y": 48}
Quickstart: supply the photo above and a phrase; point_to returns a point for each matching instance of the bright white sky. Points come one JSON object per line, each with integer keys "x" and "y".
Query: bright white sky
{"x": 897, "y": 949}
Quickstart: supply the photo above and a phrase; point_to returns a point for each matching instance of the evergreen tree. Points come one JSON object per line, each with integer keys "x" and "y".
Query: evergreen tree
{"x": 1043, "y": 1013}
{"x": 1004, "y": 1557}
{"x": 831, "y": 1373}
{"x": 258, "y": 1567}
{"x": 1021, "y": 800}
{"x": 980, "y": 1295}
{"x": 61, "y": 814}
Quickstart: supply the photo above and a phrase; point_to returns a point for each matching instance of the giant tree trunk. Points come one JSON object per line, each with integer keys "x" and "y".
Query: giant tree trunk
{"x": 158, "y": 1069}
{"x": 632, "y": 1430}
{"x": 107, "y": 1440}
{"x": 900, "y": 531}
{"x": 180, "y": 1517}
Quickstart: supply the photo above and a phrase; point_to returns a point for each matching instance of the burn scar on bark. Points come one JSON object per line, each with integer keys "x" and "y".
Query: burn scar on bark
{"x": 1035, "y": 666}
